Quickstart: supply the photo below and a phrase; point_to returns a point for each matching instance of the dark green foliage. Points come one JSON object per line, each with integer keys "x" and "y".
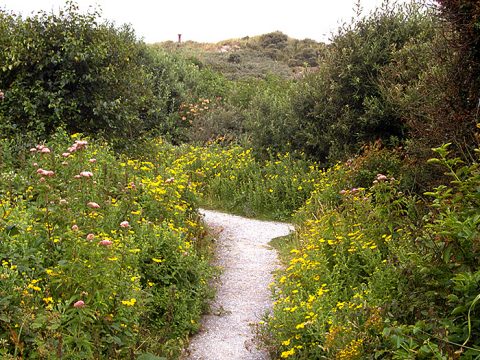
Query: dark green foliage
{"x": 224, "y": 123}
{"x": 432, "y": 85}
{"x": 274, "y": 40}
{"x": 244, "y": 63}
{"x": 379, "y": 273}
{"x": 234, "y": 58}
{"x": 279, "y": 46}
{"x": 69, "y": 69}
{"x": 260, "y": 56}
{"x": 465, "y": 17}
{"x": 342, "y": 105}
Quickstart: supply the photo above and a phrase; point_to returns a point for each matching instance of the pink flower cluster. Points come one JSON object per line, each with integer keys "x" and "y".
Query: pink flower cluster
{"x": 105, "y": 243}
{"x": 45, "y": 172}
{"x": 93, "y": 205}
{"x": 381, "y": 178}
{"x": 79, "y": 304}
{"x": 78, "y": 145}
{"x": 125, "y": 224}
{"x": 40, "y": 149}
{"x": 351, "y": 191}
{"x": 85, "y": 174}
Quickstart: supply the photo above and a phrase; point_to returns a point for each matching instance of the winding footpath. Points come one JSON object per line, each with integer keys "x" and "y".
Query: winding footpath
{"x": 243, "y": 296}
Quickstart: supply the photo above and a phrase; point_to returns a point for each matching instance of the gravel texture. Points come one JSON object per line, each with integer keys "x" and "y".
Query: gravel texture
{"x": 243, "y": 296}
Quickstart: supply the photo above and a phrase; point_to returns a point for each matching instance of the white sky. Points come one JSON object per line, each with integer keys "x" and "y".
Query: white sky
{"x": 215, "y": 20}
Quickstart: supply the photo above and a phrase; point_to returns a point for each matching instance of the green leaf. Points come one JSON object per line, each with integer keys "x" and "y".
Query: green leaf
{"x": 459, "y": 310}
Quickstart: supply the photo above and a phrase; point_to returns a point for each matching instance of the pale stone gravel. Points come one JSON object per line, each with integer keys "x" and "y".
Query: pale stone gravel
{"x": 243, "y": 295}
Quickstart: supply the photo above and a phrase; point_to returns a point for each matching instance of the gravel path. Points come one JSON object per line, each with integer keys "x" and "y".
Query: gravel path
{"x": 243, "y": 296}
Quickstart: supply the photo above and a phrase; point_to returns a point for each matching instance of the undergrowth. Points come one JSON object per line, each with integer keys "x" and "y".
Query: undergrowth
{"x": 379, "y": 273}
{"x": 100, "y": 257}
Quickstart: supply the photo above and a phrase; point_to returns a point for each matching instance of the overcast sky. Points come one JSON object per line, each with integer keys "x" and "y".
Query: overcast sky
{"x": 215, "y": 20}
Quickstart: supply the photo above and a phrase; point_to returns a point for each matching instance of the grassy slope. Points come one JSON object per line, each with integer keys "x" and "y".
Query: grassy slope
{"x": 251, "y": 56}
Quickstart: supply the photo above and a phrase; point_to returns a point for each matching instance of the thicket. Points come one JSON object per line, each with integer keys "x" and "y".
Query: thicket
{"x": 397, "y": 77}
{"x": 71, "y": 70}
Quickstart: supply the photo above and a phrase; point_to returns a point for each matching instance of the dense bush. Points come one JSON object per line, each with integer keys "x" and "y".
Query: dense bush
{"x": 432, "y": 90}
{"x": 70, "y": 69}
{"x": 223, "y": 123}
{"x": 342, "y": 106}
{"x": 464, "y": 15}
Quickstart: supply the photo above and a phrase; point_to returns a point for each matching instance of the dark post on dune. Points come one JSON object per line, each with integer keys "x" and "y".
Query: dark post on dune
{"x": 179, "y": 38}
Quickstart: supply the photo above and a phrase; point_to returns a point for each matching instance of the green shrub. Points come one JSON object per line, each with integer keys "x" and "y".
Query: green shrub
{"x": 342, "y": 106}
{"x": 223, "y": 123}
{"x": 71, "y": 70}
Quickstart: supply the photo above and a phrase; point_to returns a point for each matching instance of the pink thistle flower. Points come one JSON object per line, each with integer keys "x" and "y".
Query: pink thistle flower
{"x": 90, "y": 237}
{"x": 42, "y": 179}
{"x": 77, "y": 176}
{"x": 32, "y": 150}
{"x": 92, "y": 161}
{"x": 35, "y": 164}
{"x": 79, "y": 304}
{"x": 93, "y": 205}
{"x": 45, "y": 150}
{"x": 75, "y": 227}
{"x": 170, "y": 180}
{"x": 124, "y": 224}
{"x": 343, "y": 192}
{"x": 66, "y": 154}
{"x": 105, "y": 243}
